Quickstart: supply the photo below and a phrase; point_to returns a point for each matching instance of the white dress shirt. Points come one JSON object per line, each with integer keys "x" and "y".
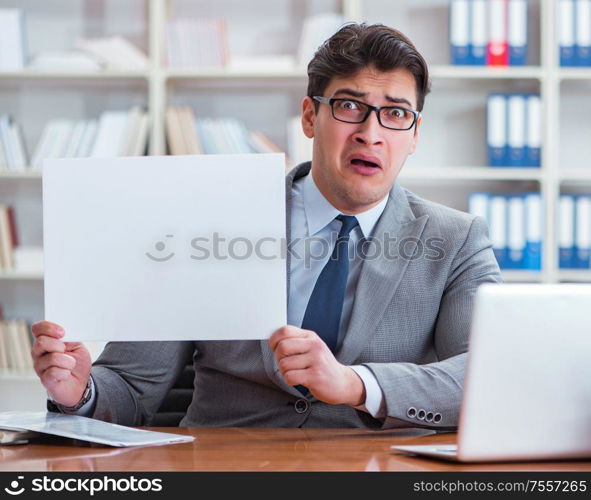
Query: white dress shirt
{"x": 314, "y": 232}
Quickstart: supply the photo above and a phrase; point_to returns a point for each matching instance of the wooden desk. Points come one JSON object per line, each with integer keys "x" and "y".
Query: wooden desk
{"x": 258, "y": 450}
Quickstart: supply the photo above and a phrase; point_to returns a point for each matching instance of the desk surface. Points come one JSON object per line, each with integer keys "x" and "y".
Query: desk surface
{"x": 246, "y": 449}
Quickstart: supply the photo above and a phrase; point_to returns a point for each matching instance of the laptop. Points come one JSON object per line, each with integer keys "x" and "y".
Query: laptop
{"x": 527, "y": 392}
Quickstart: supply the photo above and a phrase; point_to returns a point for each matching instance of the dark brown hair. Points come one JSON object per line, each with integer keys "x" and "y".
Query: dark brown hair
{"x": 357, "y": 46}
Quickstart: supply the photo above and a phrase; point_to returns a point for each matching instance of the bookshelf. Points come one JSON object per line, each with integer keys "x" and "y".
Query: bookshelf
{"x": 445, "y": 168}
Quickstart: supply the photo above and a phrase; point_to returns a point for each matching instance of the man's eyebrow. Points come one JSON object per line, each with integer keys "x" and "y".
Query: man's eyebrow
{"x": 360, "y": 95}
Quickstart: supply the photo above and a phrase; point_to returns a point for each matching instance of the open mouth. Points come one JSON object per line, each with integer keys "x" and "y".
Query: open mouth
{"x": 364, "y": 163}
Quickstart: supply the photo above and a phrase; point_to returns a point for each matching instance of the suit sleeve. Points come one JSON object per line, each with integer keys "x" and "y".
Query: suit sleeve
{"x": 436, "y": 388}
{"x": 131, "y": 379}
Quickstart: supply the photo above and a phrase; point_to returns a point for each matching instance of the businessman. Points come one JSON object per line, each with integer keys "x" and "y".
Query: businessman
{"x": 378, "y": 325}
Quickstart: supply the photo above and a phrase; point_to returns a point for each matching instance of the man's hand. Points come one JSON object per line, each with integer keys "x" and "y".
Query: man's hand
{"x": 304, "y": 359}
{"x": 62, "y": 367}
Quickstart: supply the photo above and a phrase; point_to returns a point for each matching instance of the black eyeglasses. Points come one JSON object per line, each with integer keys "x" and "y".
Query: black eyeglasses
{"x": 354, "y": 111}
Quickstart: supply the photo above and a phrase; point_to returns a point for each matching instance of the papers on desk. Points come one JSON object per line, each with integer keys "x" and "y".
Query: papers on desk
{"x": 85, "y": 429}
{"x": 165, "y": 247}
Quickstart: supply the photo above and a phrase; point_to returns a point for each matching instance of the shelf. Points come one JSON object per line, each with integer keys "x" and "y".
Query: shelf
{"x": 13, "y": 375}
{"x": 471, "y": 173}
{"x": 20, "y": 174}
{"x": 575, "y": 175}
{"x": 20, "y": 276}
{"x": 486, "y": 72}
{"x": 575, "y": 74}
{"x": 518, "y": 276}
{"x": 576, "y": 275}
{"x": 228, "y": 74}
{"x": 28, "y": 74}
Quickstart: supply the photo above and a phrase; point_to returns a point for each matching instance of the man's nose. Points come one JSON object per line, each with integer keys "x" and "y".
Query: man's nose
{"x": 370, "y": 131}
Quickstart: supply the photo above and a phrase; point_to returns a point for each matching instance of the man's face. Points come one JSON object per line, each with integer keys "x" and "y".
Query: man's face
{"x": 343, "y": 153}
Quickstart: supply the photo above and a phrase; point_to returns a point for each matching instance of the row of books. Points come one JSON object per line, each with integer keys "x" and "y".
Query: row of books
{"x": 93, "y": 54}
{"x": 203, "y": 42}
{"x": 574, "y": 231}
{"x": 514, "y": 130}
{"x": 197, "y": 42}
{"x": 15, "y": 346}
{"x": 13, "y": 153}
{"x": 515, "y": 227}
{"x": 574, "y": 32}
{"x": 187, "y": 134}
{"x": 115, "y": 133}
{"x": 488, "y": 32}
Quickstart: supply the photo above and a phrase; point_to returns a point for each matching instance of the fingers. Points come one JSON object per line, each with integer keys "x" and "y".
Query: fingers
{"x": 297, "y": 362}
{"x": 48, "y": 329}
{"x": 54, "y": 360}
{"x": 44, "y": 344}
{"x": 292, "y": 347}
{"x": 286, "y": 332}
{"x": 297, "y": 377}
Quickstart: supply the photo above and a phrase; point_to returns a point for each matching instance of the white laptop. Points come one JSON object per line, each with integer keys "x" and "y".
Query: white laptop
{"x": 527, "y": 393}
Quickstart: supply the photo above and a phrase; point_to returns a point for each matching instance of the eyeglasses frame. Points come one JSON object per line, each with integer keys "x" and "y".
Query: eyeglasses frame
{"x": 370, "y": 108}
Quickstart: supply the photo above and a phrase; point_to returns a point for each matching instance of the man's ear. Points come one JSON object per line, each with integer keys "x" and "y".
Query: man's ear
{"x": 416, "y": 134}
{"x": 308, "y": 117}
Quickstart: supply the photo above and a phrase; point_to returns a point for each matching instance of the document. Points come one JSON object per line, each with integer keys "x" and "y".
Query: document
{"x": 165, "y": 248}
{"x": 86, "y": 429}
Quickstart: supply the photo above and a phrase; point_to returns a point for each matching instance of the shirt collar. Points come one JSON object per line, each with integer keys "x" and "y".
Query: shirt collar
{"x": 320, "y": 213}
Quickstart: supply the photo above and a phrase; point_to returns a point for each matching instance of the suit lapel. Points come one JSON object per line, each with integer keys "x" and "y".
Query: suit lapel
{"x": 268, "y": 358}
{"x": 379, "y": 278}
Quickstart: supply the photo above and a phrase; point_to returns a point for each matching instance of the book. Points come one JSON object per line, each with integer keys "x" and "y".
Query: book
{"x": 478, "y": 32}
{"x": 517, "y": 32}
{"x": 516, "y": 130}
{"x": 498, "y": 228}
{"x": 497, "y": 53}
{"x": 566, "y": 231}
{"x": 582, "y": 232}
{"x": 115, "y": 52}
{"x": 315, "y": 30}
{"x": 109, "y": 138}
{"x": 533, "y": 141}
{"x": 533, "y": 232}
{"x": 516, "y": 232}
{"x": 566, "y": 32}
{"x": 13, "y": 42}
{"x": 582, "y": 33}
{"x": 496, "y": 130}
{"x": 174, "y": 132}
{"x": 459, "y": 32}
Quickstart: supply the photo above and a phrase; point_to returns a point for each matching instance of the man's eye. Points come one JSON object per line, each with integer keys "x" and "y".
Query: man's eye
{"x": 348, "y": 105}
{"x": 396, "y": 113}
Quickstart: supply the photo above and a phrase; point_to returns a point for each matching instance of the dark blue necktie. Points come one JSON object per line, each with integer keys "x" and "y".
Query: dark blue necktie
{"x": 323, "y": 313}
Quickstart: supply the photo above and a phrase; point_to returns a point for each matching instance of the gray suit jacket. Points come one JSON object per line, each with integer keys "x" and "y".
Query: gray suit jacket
{"x": 409, "y": 326}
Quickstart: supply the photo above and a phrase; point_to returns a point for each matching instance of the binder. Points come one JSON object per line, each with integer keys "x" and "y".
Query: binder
{"x": 583, "y": 32}
{"x": 478, "y": 32}
{"x": 533, "y": 232}
{"x": 566, "y": 235}
{"x": 516, "y": 130}
{"x": 497, "y": 53}
{"x": 459, "y": 31}
{"x": 496, "y": 130}
{"x": 582, "y": 232}
{"x": 498, "y": 228}
{"x": 566, "y": 32}
{"x": 533, "y": 139}
{"x": 517, "y": 32}
{"x": 516, "y": 232}
{"x": 478, "y": 205}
